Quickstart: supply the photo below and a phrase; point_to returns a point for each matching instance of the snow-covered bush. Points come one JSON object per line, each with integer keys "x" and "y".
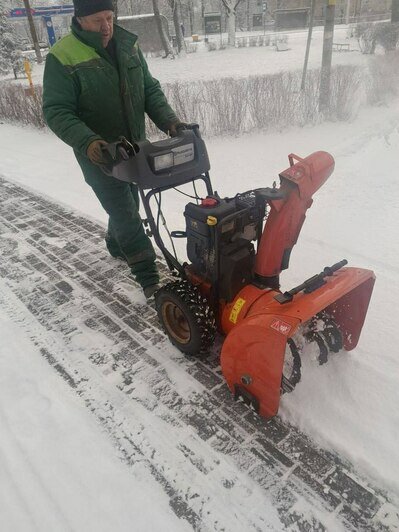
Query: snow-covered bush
{"x": 266, "y": 40}
{"x": 273, "y": 101}
{"x": 17, "y": 105}
{"x": 369, "y": 35}
{"x": 387, "y": 35}
{"x": 364, "y": 33}
{"x": 270, "y": 102}
{"x": 212, "y": 46}
{"x": 231, "y": 106}
{"x": 191, "y": 48}
{"x": 345, "y": 95}
{"x": 384, "y": 78}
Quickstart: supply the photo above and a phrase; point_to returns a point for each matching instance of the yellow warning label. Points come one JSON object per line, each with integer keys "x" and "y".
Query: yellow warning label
{"x": 236, "y": 309}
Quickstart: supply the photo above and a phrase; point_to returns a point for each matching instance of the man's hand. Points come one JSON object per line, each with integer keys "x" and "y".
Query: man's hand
{"x": 95, "y": 153}
{"x": 174, "y": 127}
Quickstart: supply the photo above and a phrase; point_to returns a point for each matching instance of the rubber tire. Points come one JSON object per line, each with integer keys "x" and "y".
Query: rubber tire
{"x": 198, "y": 315}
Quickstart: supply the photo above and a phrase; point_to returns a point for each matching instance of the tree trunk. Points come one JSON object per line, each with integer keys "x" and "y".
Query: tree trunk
{"x": 191, "y": 16}
{"x": 177, "y": 24}
{"x": 162, "y": 36}
{"x": 231, "y": 24}
{"x": 231, "y": 12}
{"x": 33, "y": 31}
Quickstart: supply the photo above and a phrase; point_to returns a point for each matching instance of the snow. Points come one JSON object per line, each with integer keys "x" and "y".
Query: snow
{"x": 243, "y": 62}
{"x": 58, "y": 470}
{"x": 350, "y": 404}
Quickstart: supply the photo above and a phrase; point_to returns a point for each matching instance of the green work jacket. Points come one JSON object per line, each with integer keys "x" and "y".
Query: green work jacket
{"x": 87, "y": 96}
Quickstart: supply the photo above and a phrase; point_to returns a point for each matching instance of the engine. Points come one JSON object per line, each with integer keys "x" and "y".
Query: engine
{"x": 220, "y": 235}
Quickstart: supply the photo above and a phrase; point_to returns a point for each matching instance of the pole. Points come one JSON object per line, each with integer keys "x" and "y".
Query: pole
{"x": 395, "y": 11}
{"x": 324, "y": 98}
{"x": 28, "y": 73}
{"x": 33, "y": 32}
{"x": 305, "y": 64}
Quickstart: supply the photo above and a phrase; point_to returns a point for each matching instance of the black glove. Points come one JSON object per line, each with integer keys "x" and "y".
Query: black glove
{"x": 174, "y": 128}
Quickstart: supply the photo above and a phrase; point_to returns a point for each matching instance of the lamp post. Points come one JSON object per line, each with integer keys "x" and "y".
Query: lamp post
{"x": 395, "y": 11}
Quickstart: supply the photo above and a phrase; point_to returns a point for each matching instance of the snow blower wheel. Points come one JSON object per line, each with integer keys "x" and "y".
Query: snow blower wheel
{"x": 186, "y": 317}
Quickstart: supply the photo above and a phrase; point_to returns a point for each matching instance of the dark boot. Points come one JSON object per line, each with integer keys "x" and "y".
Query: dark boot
{"x": 113, "y": 247}
{"x": 145, "y": 272}
{"x": 149, "y": 291}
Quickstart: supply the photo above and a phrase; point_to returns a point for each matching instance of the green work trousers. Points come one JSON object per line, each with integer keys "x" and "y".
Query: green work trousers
{"x": 126, "y": 236}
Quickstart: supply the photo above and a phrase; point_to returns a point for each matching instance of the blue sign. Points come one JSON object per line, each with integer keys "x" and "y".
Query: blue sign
{"x": 50, "y": 30}
{"x": 43, "y": 11}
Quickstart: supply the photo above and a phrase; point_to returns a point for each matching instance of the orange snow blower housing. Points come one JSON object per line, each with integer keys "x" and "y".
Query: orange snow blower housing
{"x": 259, "y": 323}
{"x": 232, "y": 280}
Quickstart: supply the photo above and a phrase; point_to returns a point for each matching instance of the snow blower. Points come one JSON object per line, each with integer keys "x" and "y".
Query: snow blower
{"x": 237, "y": 247}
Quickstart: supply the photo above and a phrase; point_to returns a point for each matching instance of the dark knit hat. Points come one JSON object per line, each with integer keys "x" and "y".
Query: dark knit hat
{"x": 88, "y": 7}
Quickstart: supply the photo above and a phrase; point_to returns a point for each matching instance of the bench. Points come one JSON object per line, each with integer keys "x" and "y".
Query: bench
{"x": 341, "y": 47}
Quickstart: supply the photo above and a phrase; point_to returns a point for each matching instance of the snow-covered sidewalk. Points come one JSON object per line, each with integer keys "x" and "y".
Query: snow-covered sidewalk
{"x": 349, "y": 405}
{"x": 58, "y": 469}
{"x": 170, "y": 415}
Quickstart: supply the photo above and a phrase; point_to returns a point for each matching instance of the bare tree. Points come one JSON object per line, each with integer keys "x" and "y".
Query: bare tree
{"x": 164, "y": 40}
{"x": 175, "y": 7}
{"x": 33, "y": 33}
{"x": 231, "y": 11}
{"x": 134, "y": 7}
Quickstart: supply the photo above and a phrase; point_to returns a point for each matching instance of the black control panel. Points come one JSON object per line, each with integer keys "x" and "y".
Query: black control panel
{"x": 170, "y": 162}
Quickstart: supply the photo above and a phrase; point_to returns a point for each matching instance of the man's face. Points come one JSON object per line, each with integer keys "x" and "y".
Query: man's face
{"x": 101, "y": 22}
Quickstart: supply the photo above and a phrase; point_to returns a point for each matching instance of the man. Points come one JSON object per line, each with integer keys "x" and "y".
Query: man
{"x": 96, "y": 88}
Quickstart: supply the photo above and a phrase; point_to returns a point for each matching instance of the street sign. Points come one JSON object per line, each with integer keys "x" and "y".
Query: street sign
{"x": 42, "y": 11}
{"x": 50, "y": 30}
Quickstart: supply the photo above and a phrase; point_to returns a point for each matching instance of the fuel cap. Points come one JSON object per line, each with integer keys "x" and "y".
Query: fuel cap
{"x": 209, "y": 202}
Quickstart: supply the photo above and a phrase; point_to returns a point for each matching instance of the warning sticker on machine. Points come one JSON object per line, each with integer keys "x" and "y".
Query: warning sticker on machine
{"x": 236, "y": 309}
{"x": 281, "y": 327}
